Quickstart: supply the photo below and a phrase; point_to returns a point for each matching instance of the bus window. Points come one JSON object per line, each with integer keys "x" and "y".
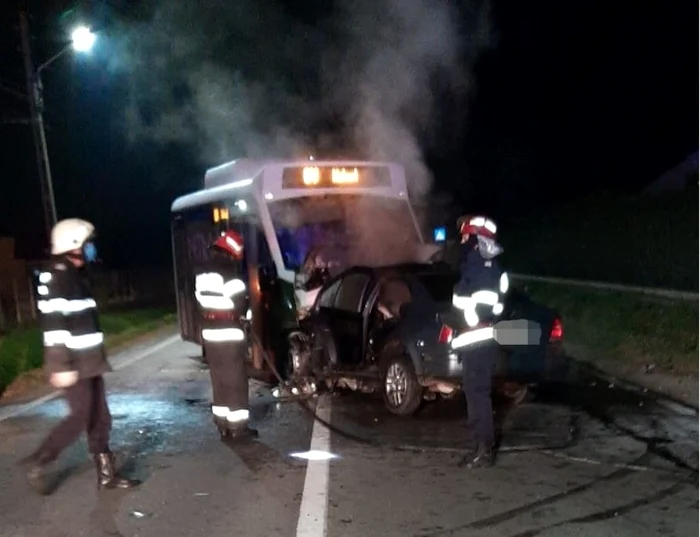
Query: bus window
{"x": 350, "y": 229}
{"x": 295, "y": 243}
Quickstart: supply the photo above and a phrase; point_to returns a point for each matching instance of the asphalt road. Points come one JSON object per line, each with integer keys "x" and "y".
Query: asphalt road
{"x": 583, "y": 460}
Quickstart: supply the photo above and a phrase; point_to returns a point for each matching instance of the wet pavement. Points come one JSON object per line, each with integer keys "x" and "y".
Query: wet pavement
{"x": 583, "y": 458}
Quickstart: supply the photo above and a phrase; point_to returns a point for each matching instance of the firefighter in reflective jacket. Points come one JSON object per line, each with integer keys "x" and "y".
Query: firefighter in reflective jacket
{"x": 74, "y": 356}
{"x": 479, "y": 294}
{"x": 221, "y": 294}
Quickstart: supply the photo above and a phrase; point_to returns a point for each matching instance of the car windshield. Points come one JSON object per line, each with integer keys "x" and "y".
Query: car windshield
{"x": 348, "y": 229}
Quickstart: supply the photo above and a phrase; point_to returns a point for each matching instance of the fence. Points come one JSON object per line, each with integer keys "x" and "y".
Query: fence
{"x": 451, "y": 256}
{"x": 154, "y": 288}
{"x": 650, "y": 291}
{"x": 111, "y": 289}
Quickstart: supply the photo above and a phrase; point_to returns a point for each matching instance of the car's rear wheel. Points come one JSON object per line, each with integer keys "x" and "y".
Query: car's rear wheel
{"x": 403, "y": 393}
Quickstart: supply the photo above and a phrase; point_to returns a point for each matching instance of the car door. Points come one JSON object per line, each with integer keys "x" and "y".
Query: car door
{"x": 345, "y": 318}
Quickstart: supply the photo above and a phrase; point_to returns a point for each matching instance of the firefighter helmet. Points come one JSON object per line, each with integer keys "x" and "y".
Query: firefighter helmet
{"x": 480, "y": 226}
{"x": 70, "y": 234}
{"x": 230, "y": 243}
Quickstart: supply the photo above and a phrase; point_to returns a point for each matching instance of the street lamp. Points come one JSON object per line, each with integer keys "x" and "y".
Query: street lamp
{"x": 82, "y": 40}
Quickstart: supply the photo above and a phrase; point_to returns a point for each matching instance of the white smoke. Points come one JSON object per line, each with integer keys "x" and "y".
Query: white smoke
{"x": 397, "y": 50}
{"x": 244, "y": 78}
{"x": 212, "y": 76}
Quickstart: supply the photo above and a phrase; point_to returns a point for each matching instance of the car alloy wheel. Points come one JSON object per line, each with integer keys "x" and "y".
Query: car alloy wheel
{"x": 396, "y": 384}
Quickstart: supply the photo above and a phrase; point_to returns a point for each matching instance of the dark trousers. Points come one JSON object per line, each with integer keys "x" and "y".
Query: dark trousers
{"x": 478, "y": 365}
{"x": 227, "y": 369}
{"x": 89, "y": 412}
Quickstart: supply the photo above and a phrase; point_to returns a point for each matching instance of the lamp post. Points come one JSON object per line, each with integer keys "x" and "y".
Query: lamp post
{"x": 82, "y": 40}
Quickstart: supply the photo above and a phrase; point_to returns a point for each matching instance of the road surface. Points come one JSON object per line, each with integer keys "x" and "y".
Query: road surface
{"x": 581, "y": 461}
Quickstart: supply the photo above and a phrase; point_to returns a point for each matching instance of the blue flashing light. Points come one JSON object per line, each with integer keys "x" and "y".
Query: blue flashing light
{"x": 440, "y": 234}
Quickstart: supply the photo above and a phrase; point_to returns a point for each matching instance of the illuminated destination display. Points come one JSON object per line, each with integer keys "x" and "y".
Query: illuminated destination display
{"x": 335, "y": 176}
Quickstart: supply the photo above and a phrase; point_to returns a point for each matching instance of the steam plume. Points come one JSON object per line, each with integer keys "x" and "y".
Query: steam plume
{"x": 246, "y": 78}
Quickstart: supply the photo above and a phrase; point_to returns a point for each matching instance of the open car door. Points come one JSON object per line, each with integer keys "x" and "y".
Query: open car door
{"x": 341, "y": 308}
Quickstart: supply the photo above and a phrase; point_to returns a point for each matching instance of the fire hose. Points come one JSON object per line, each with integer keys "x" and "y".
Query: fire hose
{"x": 302, "y": 402}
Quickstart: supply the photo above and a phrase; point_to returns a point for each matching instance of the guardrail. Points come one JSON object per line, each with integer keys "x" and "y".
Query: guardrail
{"x": 651, "y": 291}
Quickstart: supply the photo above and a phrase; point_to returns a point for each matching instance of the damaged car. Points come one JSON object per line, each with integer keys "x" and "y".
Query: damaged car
{"x": 388, "y": 330}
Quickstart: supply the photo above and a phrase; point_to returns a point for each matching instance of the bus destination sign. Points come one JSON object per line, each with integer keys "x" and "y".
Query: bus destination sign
{"x": 336, "y": 176}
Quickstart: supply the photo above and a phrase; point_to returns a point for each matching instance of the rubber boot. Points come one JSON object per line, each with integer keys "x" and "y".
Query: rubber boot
{"x": 230, "y": 430}
{"x": 483, "y": 457}
{"x": 222, "y": 426}
{"x": 241, "y": 431}
{"x": 35, "y": 466}
{"x": 108, "y": 477}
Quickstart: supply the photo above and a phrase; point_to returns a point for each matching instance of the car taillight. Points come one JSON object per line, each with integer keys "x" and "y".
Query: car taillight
{"x": 557, "y": 333}
{"x": 445, "y": 334}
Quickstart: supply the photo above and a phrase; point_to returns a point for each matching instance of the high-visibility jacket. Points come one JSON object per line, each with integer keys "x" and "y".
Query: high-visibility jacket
{"x": 72, "y": 338}
{"x": 222, "y": 301}
{"x": 480, "y": 295}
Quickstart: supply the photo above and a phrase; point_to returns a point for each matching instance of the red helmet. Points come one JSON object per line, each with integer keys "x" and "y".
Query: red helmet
{"x": 477, "y": 225}
{"x": 231, "y": 243}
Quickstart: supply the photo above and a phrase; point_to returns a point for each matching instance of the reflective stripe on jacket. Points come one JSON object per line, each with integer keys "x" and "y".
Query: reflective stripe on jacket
{"x": 221, "y": 301}
{"x": 72, "y": 338}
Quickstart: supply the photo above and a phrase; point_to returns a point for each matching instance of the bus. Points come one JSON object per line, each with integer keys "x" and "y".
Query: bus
{"x": 359, "y": 210}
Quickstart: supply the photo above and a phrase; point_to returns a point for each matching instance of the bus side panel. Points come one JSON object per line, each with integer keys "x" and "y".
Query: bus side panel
{"x": 182, "y": 269}
{"x": 193, "y": 234}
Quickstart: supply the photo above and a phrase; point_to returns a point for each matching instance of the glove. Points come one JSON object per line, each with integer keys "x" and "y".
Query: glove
{"x": 63, "y": 379}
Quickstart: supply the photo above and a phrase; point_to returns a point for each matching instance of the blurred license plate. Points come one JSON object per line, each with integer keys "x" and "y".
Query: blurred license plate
{"x": 517, "y": 332}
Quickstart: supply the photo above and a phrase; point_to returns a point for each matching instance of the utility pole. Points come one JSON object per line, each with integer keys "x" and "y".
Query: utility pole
{"x": 37, "y": 120}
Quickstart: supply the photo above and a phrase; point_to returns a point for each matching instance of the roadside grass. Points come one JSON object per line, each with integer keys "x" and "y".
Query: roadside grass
{"x": 608, "y": 238}
{"x": 624, "y": 328}
{"x": 21, "y": 350}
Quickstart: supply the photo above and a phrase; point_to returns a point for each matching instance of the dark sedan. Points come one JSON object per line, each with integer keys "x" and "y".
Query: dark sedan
{"x": 388, "y": 329}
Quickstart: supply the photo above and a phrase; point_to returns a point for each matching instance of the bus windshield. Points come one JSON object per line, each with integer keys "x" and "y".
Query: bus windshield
{"x": 349, "y": 229}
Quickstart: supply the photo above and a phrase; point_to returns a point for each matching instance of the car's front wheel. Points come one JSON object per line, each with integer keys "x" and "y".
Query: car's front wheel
{"x": 403, "y": 393}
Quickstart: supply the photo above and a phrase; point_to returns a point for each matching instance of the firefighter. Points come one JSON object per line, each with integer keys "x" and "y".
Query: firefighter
{"x": 74, "y": 356}
{"x": 479, "y": 294}
{"x": 221, "y": 293}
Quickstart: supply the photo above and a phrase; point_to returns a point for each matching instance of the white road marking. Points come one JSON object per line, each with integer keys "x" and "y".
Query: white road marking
{"x": 314, "y": 500}
{"x": 146, "y": 352}
{"x": 18, "y": 410}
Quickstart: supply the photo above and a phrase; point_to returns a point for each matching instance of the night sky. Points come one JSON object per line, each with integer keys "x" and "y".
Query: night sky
{"x": 556, "y": 100}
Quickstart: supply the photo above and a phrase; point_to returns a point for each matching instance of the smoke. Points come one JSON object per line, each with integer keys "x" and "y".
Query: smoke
{"x": 215, "y": 77}
{"x": 403, "y": 57}
{"x": 247, "y": 78}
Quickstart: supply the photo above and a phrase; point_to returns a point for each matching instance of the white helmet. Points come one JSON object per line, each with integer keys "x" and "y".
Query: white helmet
{"x": 70, "y": 234}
